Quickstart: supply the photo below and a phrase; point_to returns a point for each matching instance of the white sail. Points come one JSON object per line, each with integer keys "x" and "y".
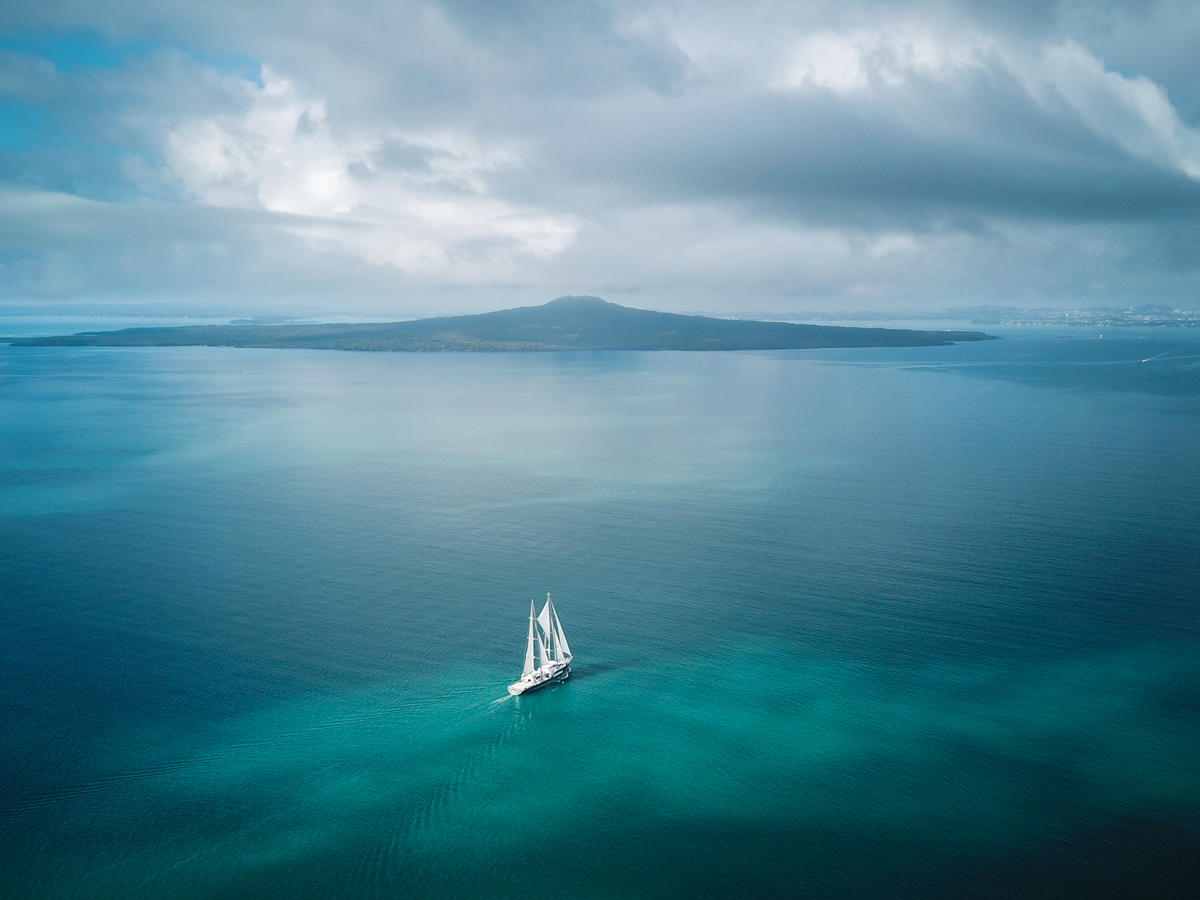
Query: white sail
{"x": 552, "y": 628}
{"x": 529, "y": 645}
{"x": 547, "y": 630}
{"x": 542, "y": 646}
{"x": 564, "y": 649}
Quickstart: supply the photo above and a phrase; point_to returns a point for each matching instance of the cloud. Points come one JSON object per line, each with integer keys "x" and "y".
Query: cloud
{"x": 434, "y": 218}
{"x": 1134, "y": 113}
{"x": 60, "y": 246}
{"x": 691, "y": 152}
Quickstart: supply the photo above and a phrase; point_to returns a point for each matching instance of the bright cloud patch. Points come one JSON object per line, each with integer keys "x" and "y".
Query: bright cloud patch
{"x": 418, "y": 201}
{"x": 853, "y": 61}
{"x": 1133, "y": 112}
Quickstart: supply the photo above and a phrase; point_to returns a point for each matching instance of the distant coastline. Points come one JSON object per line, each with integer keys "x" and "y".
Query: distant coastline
{"x": 568, "y": 323}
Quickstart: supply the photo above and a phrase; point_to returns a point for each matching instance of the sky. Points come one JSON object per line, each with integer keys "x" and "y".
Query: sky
{"x": 389, "y": 157}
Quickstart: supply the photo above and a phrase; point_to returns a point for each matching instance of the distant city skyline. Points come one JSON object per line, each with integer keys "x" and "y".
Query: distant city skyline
{"x": 408, "y": 158}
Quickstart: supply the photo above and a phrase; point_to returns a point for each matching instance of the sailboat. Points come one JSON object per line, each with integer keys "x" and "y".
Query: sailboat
{"x": 547, "y": 654}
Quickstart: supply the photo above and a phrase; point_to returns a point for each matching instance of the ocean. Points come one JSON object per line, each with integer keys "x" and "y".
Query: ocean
{"x": 904, "y": 622}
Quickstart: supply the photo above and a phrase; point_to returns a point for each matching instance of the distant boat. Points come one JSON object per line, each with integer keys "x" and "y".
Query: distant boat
{"x": 547, "y": 654}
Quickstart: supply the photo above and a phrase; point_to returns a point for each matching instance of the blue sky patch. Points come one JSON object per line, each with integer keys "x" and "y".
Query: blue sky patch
{"x": 73, "y": 50}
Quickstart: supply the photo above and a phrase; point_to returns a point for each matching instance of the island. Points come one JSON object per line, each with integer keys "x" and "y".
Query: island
{"x": 568, "y": 323}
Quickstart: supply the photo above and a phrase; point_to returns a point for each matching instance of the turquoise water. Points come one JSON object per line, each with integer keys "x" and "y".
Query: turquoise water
{"x": 846, "y": 623}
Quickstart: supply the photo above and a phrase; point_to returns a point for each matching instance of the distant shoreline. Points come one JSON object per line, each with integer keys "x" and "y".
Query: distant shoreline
{"x": 568, "y": 323}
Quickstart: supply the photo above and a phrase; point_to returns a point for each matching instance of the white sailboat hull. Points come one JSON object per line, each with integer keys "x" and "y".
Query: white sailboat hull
{"x": 552, "y": 673}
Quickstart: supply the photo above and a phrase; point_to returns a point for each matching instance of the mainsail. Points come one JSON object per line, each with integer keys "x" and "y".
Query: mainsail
{"x": 543, "y": 649}
{"x": 547, "y": 630}
{"x": 551, "y": 627}
{"x": 560, "y": 639}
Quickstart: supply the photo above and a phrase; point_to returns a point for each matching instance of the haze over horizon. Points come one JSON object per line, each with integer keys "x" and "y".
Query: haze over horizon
{"x": 417, "y": 157}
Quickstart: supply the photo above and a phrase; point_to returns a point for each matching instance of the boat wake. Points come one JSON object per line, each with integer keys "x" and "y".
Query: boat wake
{"x": 1170, "y": 353}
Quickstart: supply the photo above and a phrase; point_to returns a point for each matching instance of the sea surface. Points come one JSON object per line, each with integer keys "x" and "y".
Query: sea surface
{"x": 919, "y": 623}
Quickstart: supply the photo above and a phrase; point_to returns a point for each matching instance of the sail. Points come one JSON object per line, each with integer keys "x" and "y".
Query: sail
{"x": 529, "y": 645}
{"x": 547, "y": 629}
{"x": 552, "y": 628}
{"x": 564, "y": 649}
{"x": 543, "y": 650}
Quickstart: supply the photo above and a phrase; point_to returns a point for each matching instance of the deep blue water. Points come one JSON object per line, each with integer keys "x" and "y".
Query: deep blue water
{"x": 846, "y": 623}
